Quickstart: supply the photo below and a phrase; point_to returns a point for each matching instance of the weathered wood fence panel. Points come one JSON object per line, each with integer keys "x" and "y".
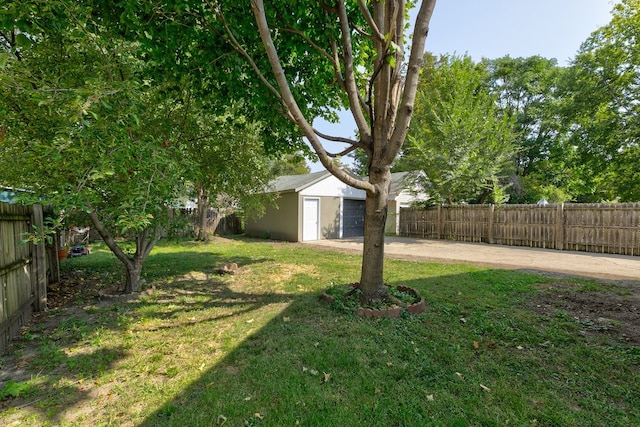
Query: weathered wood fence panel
{"x": 525, "y": 225}
{"x": 23, "y": 269}
{"x": 605, "y": 228}
{"x": 612, "y": 228}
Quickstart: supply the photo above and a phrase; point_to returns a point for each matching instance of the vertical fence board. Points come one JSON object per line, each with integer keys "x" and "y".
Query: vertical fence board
{"x": 605, "y": 228}
{"x": 18, "y": 270}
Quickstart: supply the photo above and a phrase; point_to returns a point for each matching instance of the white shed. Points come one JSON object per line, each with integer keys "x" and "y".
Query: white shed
{"x": 319, "y": 206}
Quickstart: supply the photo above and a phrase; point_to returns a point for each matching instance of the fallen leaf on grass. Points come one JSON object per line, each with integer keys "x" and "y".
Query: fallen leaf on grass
{"x": 286, "y": 319}
{"x": 485, "y": 388}
{"x": 250, "y": 321}
{"x": 221, "y": 419}
{"x": 460, "y": 375}
{"x": 476, "y": 345}
{"x": 430, "y": 397}
{"x": 258, "y": 415}
{"x": 326, "y": 377}
{"x": 311, "y": 371}
{"x": 463, "y": 320}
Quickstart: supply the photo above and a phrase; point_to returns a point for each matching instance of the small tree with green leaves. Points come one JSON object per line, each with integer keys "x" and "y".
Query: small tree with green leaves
{"x": 459, "y": 142}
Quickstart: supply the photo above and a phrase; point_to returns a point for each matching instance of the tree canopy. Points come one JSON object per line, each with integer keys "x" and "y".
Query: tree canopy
{"x": 459, "y": 140}
{"x": 602, "y": 114}
{"x": 89, "y": 128}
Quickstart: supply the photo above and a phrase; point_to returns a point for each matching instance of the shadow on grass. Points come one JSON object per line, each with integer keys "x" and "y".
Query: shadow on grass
{"x": 66, "y": 348}
{"x": 477, "y": 356}
{"x": 260, "y": 356}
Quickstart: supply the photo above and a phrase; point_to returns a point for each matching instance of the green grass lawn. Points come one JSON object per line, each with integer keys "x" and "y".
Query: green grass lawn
{"x": 260, "y": 349}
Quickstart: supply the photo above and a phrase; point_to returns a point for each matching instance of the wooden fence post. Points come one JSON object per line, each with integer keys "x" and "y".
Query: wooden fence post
{"x": 439, "y": 223}
{"x": 559, "y": 226}
{"x": 54, "y": 262}
{"x": 39, "y": 277}
{"x": 490, "y": 230}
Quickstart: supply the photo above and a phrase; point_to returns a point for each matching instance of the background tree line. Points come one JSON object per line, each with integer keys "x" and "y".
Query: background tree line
{"x": 519, "y": 130}
{"x": 120, "y": 109}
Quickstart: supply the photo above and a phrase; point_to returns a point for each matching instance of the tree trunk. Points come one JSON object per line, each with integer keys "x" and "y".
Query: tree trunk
{"x": 133, "y": 276}
{"x": 132, "y": 265}
{"x": 203, "y": 210}
{"x": 372, "y": 275}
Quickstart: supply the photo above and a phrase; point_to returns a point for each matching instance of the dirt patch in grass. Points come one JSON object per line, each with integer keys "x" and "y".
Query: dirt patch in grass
{"x": 601, "y": 310}
{"x": 73, "y": 287}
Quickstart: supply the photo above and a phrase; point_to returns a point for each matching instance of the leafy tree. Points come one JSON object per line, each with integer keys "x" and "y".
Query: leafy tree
{"x": 320, "y": 57}
{"x": 227, "y": 162}
{"x": 527, "y": 91}
{"x": 90, "y": 127}
{"x": 289, "y": 164}
{"x": 82, "y": 128}
{"x": 359, "y": 162}
{"x": 324, "y": 53}
{"x": 601, "y": 109}
{"x": 459, "y": 141}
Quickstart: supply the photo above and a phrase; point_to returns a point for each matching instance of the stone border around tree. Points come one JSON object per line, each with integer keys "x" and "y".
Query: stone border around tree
{"x": 393, "y": 312}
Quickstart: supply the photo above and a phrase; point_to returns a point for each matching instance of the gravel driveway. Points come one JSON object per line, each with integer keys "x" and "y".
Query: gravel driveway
{"x": 586, "y": 264}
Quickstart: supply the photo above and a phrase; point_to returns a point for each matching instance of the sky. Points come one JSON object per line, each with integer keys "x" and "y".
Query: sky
{"x": 496, "y": 28}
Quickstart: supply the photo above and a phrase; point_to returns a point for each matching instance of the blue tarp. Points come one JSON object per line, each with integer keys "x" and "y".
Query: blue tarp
{"x": 7, "y": 196}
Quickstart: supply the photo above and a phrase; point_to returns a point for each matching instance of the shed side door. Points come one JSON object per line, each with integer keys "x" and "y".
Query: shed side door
{"x": 310, "y": 223}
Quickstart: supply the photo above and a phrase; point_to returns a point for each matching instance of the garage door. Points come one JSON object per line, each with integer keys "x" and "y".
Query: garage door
{"x": 353, "y": 218}
{"x": 310, "y": 219}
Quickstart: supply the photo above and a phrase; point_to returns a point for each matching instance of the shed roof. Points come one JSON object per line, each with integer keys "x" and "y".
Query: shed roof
{"x": 296, "y": 183}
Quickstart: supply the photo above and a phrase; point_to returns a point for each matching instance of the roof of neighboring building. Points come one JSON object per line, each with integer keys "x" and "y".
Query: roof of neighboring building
{"x": 399, "y": 182}
{"x": 296, "y": 183}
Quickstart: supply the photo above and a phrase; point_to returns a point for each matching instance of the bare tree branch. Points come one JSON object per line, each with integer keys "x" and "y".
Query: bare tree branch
{"x": 350, "y": 80}
{"x": 331, "y": 138}
{"x": 343, "y": 153}
{"x": 258, "y": 10}
{"x": 421, "y": 29}
{"x": 372, "y": 24}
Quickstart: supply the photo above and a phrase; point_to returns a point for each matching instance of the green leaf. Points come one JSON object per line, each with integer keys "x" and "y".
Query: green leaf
{"x": 22, "y": 40}
{"x": 4, "y": 58}
{"x": 14, "y": 389}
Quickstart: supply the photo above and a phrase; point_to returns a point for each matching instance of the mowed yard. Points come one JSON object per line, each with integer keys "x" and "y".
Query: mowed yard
{"x": 259, "y": 348}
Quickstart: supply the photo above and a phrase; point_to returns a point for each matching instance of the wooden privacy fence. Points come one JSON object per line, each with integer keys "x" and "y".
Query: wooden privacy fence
{"x": 23, "y": 269}
{"x": 606, "y": 228}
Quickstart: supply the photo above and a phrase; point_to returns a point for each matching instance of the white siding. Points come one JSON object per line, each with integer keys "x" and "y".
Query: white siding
{"x": 333, "y": 187}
